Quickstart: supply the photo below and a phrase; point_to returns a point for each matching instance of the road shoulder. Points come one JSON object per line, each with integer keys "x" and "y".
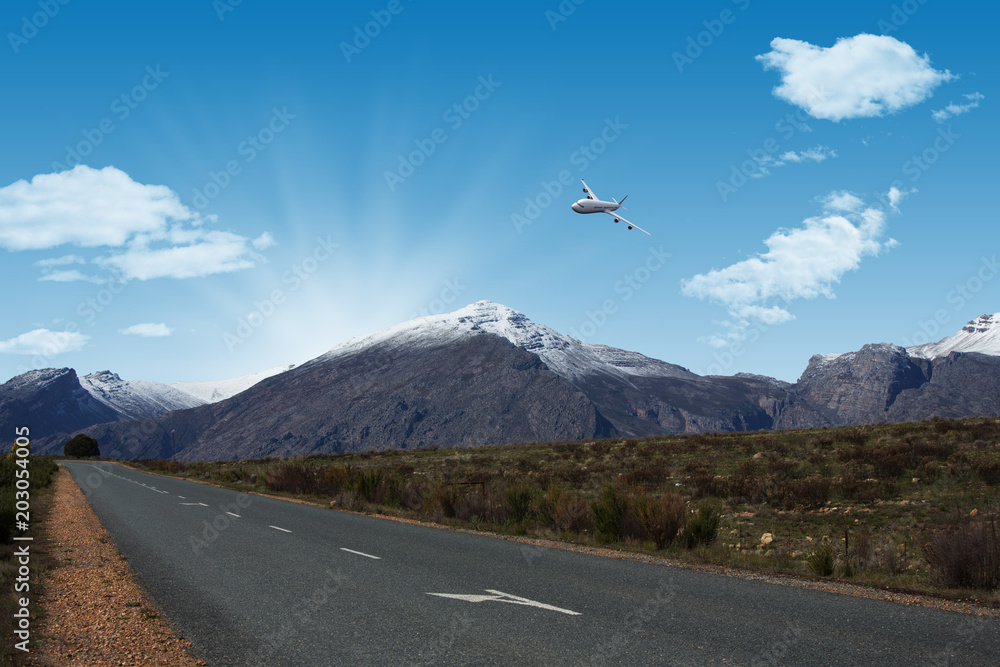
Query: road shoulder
{"x": 94, "y": 612}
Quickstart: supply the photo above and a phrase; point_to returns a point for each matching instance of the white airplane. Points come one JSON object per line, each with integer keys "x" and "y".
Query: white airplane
{"x": 594, "y": 205}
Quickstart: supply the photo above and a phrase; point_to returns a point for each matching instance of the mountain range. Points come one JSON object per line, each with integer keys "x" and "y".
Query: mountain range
{"x": 486, "y": 374}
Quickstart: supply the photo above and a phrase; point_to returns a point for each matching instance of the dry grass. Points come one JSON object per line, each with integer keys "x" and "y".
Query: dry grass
{"x": 874, "y": 495}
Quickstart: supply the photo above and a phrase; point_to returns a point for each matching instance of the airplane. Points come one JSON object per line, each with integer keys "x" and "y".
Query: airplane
{"x": 594, "y": 205}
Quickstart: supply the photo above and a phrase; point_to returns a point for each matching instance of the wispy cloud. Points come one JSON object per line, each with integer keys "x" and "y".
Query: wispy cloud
{"x": 65, "y": 260}
{"x": 815, "y": 154}
{"x": 858, "y": 77}
{"x": 800, "y": 263}
{"x": 941, "y": 115}
{"x": 147, "y": 330}
{"x": 45, "y": 342}
{"x": 152, "y": 233}
{"x": 70, "y": 276}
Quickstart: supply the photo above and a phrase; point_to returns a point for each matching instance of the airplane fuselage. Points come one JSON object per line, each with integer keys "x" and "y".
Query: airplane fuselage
{"x": 594, "y": 206}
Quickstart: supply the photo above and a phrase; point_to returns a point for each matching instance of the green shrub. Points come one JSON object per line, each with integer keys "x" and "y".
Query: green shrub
{"x": 81, "y": 445}
{"x": 821, "y": 561}
{"x": 440, "y": 501}
{"x": 367, "y": 483}
{"x": 520, "y": 499}
{"x": 607, "y": 511}
{"x": 703, "y": 527}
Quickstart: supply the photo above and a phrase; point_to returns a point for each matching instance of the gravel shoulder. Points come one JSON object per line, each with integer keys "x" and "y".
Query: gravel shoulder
{"x": 94, "y": 611}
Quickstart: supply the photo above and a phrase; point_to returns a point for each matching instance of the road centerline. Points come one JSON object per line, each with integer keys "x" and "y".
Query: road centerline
{"x": 360, "y": 553}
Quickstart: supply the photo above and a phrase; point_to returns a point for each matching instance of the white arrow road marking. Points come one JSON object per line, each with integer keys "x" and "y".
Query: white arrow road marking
{"x": 499, "y": 596}
{"x": 202, "y": 504}
{"x": 284, "y": 530}
{"x": 360, "y": 553}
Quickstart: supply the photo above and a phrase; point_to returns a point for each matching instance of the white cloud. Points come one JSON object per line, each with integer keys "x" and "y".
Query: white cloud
{"x": 202, "y": 253}
{"x": 767, "y": 162}
{"x": 896, "y": 195}
{"x": 86, "y": 207}
{"x": 44, "y": 342}
{"x": 70, "y": 276}
{"x": 800, "y": 263}
{"x": 815, "y": 154}
{"x": 65, "y": 260}
{"x": 154, "y": 235}
{"x": 941, "y": 115}
{"x": 263, "y": 241}
{"x": 860, "y": 76}
{"x": 147, "y": 330}
{"x": 841, "y": 200}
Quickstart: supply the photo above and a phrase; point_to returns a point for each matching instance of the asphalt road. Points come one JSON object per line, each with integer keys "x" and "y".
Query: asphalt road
{"x": 257, "y": 581}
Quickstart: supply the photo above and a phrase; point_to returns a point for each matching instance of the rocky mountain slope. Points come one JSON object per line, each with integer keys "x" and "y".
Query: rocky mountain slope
{"x": 487, "y": 374}
{"x": 50, "y": 401}
{"x": 55, "y": 403}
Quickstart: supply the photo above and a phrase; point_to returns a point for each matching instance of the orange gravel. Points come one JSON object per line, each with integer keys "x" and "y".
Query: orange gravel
{"x": 94, "y": 611}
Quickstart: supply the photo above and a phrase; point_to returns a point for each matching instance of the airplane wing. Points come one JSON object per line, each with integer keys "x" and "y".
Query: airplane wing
{"x": 589, "y": 191}
{"x": 630, "y": 224}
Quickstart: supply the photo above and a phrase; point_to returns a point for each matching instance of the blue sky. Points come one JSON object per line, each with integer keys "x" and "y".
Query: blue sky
{"x": 198, "y": 190}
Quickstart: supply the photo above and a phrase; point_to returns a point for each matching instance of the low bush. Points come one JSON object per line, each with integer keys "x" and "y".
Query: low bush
{"x": 520, "y": 502}
{"x": 290, "y": 478}
{"x": 702, "y": 527}
{"x": 988, "y": 471}
{"x": 821, "y": 561}
{"x": 966, "y": 553}
{"x": 608, "y": 510}
{"x": 470, "y": 507}
{"x": 809, "y": 492}
{"x": 863, "y": 548}
{"x": 572, "y": 514}
{"x": 660, "y": 519}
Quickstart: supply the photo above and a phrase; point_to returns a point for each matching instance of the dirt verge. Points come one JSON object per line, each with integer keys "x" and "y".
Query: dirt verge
{"x": 94, "y": 612}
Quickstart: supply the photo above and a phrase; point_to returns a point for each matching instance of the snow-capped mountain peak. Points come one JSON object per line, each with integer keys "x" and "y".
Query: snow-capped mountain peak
{"x": 979, "y": 335}
{"x": 136, "y": 399}
{"x": 563, "y": 355}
